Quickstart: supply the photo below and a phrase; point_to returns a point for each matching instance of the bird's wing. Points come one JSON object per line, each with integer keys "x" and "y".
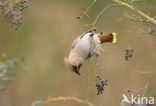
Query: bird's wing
{"x": 75, "y": 42}
{"x": 80, "y": 37}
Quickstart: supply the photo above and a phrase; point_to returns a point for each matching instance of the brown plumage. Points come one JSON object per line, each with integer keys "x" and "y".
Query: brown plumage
{"x": 105, "y": 37}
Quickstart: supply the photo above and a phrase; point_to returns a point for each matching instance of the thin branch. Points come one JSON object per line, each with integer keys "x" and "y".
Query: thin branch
{"x": 85, "y": 12}
{"x": 136, "y": 10}
{"x": 149, "y": 32}
{"x": 148, "y": 82}
{"x": 55, "y": 99}
{"x": 135, "y": 18}
{"x": 92, "y": 62}
{"x": 88, "y": 89}
{"x": 100, "y": 14}
{"x": 144, "y": 72}
{"x": 139, "y": 89}
{"x": 133, "y": 1}
{"x": 145, "y": 88}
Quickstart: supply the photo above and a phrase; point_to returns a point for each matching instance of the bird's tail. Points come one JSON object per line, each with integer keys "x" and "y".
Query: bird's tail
{"x": 112, "y": 37}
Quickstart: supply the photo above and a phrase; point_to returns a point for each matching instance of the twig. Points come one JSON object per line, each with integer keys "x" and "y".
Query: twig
{"x": 80, "y": 101}
{"x": 93, "y": 65}
{"x": 88, "y": 89}
{"x": 148, "y": 82}
{"x": 87, "y": 9}
{"x": 132, "y": 1}
{"x": 143, "y": 72}
{"x": 144, "y": 88}
{"x": 150, "y": 32}
{"x": 135, "y": 18}
{"x": 140, "y": 89}
{"x": 136, "y": 10}
{"x": 100, "y": 14}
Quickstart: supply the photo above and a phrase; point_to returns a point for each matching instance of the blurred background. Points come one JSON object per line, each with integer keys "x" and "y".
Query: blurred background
{"x": 44, "y": 38}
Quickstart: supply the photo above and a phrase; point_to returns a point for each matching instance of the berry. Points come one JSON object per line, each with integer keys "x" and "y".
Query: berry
{"x": 100, "y": 85}
{"x": 13, "y": 15}
{"x": 128, "y": 53}
{"x": 78, "y": 17}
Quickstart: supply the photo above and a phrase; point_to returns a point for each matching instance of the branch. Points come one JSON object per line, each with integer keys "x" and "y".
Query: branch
{"x": 133, "y": 17}
{"x": 149, "y": 32}
{"x": 148, "y": 83}
{"x": 80, "y": 101}
{"x": 85, "y": 12}
{"x": 145, "y": 72}
{"x": 136, "y": 10}
{"x": 146, "y": 86}
{"x": 133, "y": 1}
{"x": 100, "y": 14}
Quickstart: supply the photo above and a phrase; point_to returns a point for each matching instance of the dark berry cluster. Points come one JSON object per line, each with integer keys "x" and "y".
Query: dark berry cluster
{"x": 100, "y": 85}
{"x": 23, "y": 5}
{"x": 128, "y": 53}
{"x": 13, "y": 15}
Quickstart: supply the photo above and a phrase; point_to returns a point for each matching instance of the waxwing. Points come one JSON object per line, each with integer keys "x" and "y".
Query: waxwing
{"x": 82, "y": 49}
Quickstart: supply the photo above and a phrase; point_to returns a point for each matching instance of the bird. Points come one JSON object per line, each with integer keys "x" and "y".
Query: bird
{"x": 81, "y": 48}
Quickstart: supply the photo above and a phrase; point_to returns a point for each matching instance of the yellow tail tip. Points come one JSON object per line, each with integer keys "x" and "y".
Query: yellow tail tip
{"x": 114, "y": 37}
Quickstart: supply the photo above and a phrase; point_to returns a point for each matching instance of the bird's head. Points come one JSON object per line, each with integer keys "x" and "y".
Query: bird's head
{"x": 74, "y": 66}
